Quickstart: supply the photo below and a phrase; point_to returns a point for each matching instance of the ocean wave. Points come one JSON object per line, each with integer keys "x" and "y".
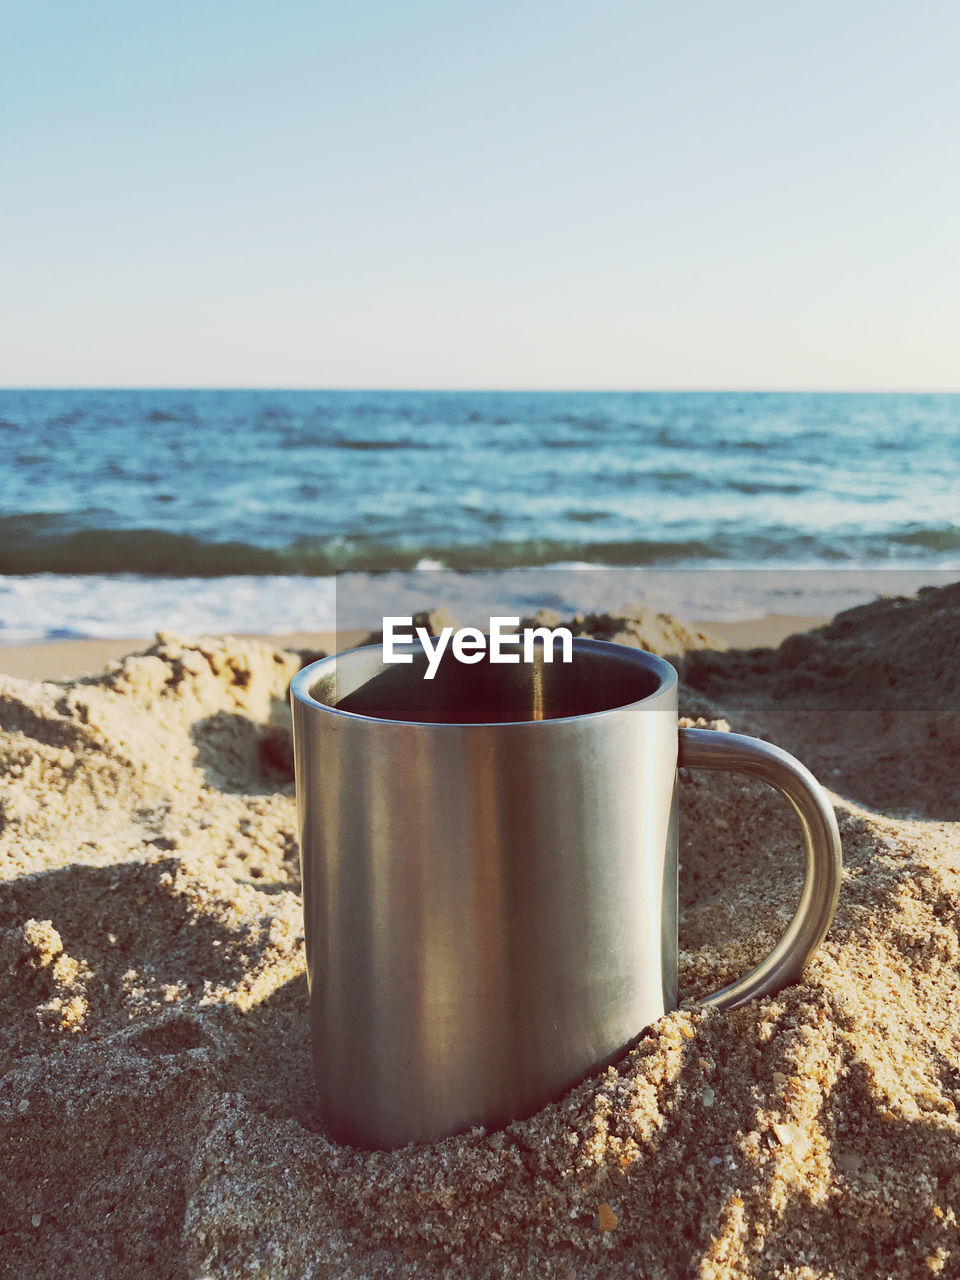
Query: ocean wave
{"x": 752, "y": 487}
{"x": 53, "y": 543}
{"x": 363, "y": 446}
{"x": 41, "y": 544}
{"x": 158, "y": 416}
{"x": 942, "y": 538}
{"x": 326, "y": 440}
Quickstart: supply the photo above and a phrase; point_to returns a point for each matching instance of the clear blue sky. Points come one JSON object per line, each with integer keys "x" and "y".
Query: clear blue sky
{"x": 425, "y": 193}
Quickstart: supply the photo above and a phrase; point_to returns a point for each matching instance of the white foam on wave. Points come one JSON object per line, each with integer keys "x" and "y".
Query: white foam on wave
{"x": 51, "y": 606}
{"x": 54, "y": 606}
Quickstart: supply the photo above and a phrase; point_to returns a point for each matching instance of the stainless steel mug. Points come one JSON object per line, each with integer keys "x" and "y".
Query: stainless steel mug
{"x": 490, "y": 877}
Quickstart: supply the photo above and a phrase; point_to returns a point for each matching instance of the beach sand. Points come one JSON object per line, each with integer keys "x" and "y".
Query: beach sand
{"x": 156, "y": 1104}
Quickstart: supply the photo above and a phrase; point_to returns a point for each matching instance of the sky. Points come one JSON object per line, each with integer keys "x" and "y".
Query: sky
{"x": 427, "y": 193}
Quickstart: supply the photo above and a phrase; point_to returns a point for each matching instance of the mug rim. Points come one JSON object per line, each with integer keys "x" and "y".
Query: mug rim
{"x": 652, "y": 662}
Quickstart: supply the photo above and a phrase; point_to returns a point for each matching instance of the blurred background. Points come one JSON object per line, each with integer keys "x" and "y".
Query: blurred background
{"x": 298, "y": 290}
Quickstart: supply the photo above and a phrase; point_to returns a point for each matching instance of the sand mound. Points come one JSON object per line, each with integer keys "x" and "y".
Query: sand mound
{"x": 901, "y": 653}
{"x": 871, "y": 701}
{"x": 155, "y": 1095}
{"x": 641, "y": 628}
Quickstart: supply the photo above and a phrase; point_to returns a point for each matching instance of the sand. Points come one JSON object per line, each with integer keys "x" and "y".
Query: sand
{"x": 67, "y": 659}
{"x": 156, "y": 1103}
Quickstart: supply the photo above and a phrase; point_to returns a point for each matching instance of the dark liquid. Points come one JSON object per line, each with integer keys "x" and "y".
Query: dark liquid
{"x": 490, "y": 693}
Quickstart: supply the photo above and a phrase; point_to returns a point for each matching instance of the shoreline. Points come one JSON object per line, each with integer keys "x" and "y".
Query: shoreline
{"x": 69, "y": 659}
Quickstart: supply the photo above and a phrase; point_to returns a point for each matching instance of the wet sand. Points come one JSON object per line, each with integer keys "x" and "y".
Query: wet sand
{"x": 66, "y": 659}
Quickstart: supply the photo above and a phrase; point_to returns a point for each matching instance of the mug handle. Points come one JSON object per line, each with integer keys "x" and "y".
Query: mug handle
{"x": 715, "y": 749}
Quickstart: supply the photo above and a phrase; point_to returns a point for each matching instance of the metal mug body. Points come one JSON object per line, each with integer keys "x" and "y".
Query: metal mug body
{"x": 490, "y": 907}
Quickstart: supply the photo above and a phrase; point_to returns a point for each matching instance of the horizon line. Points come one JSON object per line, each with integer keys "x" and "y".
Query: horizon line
{"x": 499, "y": 390}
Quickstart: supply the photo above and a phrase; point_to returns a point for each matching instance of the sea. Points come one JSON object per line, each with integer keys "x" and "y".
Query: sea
{"x": 123, "y": 512}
